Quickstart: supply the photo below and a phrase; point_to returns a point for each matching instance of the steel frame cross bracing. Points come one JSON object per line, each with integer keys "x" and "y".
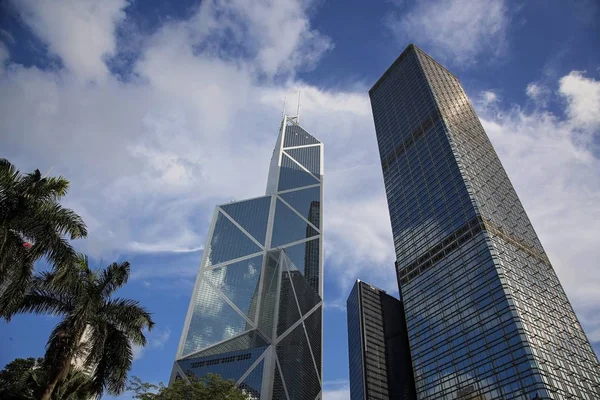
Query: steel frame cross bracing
{"x": 259, "y": 332}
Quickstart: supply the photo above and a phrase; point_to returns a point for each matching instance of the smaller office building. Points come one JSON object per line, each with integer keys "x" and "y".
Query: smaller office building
{"x": 380, "y": 364}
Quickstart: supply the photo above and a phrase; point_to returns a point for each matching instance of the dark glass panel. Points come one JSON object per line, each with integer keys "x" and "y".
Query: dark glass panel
{"x": 309, "y": 157}
{"x": 296, "y": 136}
{"x": 269, "y": 294}
{"x": 314, "y": 331}
{"x": 297, "y": 365}
{"x": 228, "y": 242}
{"x": 278, "y": 390}
{"x": 230, "y": 365}
{"x": 307, "y": 202}
{"x": 245, "y": 341}
{"x": 288, "y": 308}
{"x": 307, "y": 297}
{"x": 305, "y": 257}
{"x": 292, "y": 176}
{"x": 289, "y": 227}
{"x": 253, "y": 383}
{"x": 252, "y": 215}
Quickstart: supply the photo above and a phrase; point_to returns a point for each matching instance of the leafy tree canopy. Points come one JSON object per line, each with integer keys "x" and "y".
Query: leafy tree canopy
{"x": 210, "y": 387}
{"x": 26, "y": 378}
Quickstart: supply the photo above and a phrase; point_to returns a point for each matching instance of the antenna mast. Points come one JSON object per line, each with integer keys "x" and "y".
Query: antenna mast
{"x": 298, "y": 109}
{"x": 283, "y": 111}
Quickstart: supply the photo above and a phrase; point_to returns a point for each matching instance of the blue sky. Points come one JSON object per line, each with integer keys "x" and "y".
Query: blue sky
{"x": 156, "y": 111}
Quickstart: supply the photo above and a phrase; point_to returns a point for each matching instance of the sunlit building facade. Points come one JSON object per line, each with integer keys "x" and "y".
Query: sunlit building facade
{"x": 486, "y": 315}
{"x": 256, "y": 310}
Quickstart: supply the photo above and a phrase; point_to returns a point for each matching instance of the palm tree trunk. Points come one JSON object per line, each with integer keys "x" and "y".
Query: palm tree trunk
{"x": 57, "y": 374}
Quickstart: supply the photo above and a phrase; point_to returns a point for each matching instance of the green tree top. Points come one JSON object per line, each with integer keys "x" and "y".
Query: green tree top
{"x": 32, "y": 225}
{"x": 209, "y": 387}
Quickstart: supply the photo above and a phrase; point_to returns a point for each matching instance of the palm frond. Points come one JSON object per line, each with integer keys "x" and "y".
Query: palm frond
{"x": 113, "y": 277}
{"x": 15, "y": 285}
{"x": 111, "y": 372}
{"x": 44, "y": 302}
{"x": 61, "y": 220}
{"x": 128, "y": 316}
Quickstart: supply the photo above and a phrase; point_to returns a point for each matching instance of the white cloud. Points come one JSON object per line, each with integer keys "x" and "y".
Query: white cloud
{"x": 555, "y": 173}
{"x": 336, "y": 390}
{"x": 149, "y": 159}
{"x": 156, "y": 340}
{"x": 583, "y": 99}
{"x": 538, "y": 93}
{"x": 454, "y": 31}
{"x": 80, "y": 32}
{"x": 488, "y": 97}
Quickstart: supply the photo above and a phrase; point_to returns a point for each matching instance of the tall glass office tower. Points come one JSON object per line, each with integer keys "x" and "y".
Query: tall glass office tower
{"x": 486, "y": 315}
{"x": 378, "y": 353}
{"x": 256, "y": 310}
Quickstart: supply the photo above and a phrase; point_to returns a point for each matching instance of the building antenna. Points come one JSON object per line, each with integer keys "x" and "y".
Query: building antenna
{"x": 283, "y": 111}
{"x": 298, "y": 109}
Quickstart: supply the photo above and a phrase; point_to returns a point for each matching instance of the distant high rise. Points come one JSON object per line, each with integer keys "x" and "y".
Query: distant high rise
{"x": 487, "y": 317}
{"x": 380, "y": 367}
{"x": 256, "y": 310}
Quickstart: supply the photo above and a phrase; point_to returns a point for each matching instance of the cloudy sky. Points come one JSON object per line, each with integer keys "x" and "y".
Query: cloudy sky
{"x": 156, "y": 111}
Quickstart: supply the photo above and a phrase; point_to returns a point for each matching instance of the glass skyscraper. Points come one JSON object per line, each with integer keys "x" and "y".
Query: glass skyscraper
{"x": 256, "y": 310}
{"x": 486, "y": 315}
{"x": 379, "y": 357}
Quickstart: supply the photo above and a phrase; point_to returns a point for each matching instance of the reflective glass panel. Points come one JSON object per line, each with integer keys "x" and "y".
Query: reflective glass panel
{"x": 269, "y": 294}
{"x": 288, "y": 308}
{"x": 289, "y": 227}
{"x": 305, "y": 256}
{"x": 307, "y": 202}
{"x": 230, "y": 365}
{"x": 291, "y": 175}
{"x": 297, "y": 365}
{"x": 307, "y": 297}
{"x": 252, "y": 215}
{"x": 309, "y": 157}
{"x": 253, "y": 382}
{"x": 245, "y": 341}
{"x": 296, "y": 136}
{"x": 313, "y": 329}
{"x": 239, "y": 282}
{"x": 213, "y": 320}
{"x": 278, "y": 390}
{"x": 228, "y": 242}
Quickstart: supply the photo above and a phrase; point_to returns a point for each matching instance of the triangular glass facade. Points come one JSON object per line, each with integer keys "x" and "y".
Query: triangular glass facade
{"x": 289, "y": 227}
{"x": 307, "y": 202}
{"x": 258, "y": 294}
{"x": 228, "y": 242}
{"x": 252, "y": 215}
{"x": 239, "y": 283}
{"x": 292, "y": 175}
{"x": 309, "y": 157}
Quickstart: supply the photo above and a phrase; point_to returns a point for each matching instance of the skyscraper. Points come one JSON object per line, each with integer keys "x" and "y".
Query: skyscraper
{"x": 486, "y": 315}
{"x": 380, "y": 367}
{"x": 256, "y": 310}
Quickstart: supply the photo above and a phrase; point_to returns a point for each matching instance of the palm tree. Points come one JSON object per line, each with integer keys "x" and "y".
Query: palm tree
{"x": 32, "y": 225}
{"x": 25, "y": 379}
{"x": 96, "y": 327}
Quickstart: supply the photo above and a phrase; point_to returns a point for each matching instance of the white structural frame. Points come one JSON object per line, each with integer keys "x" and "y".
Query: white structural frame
{"x": 269, "y": 356}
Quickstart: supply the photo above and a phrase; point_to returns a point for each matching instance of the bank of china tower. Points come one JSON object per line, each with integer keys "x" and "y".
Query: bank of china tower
{"x": 255, "y": 315}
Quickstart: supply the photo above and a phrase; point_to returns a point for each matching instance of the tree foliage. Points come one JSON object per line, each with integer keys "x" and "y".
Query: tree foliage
{"x": 32, "y": 225}
{"x": 26, "y": 379}
{"x": 96, "y": 327}
{"x": 209, "y": 387}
